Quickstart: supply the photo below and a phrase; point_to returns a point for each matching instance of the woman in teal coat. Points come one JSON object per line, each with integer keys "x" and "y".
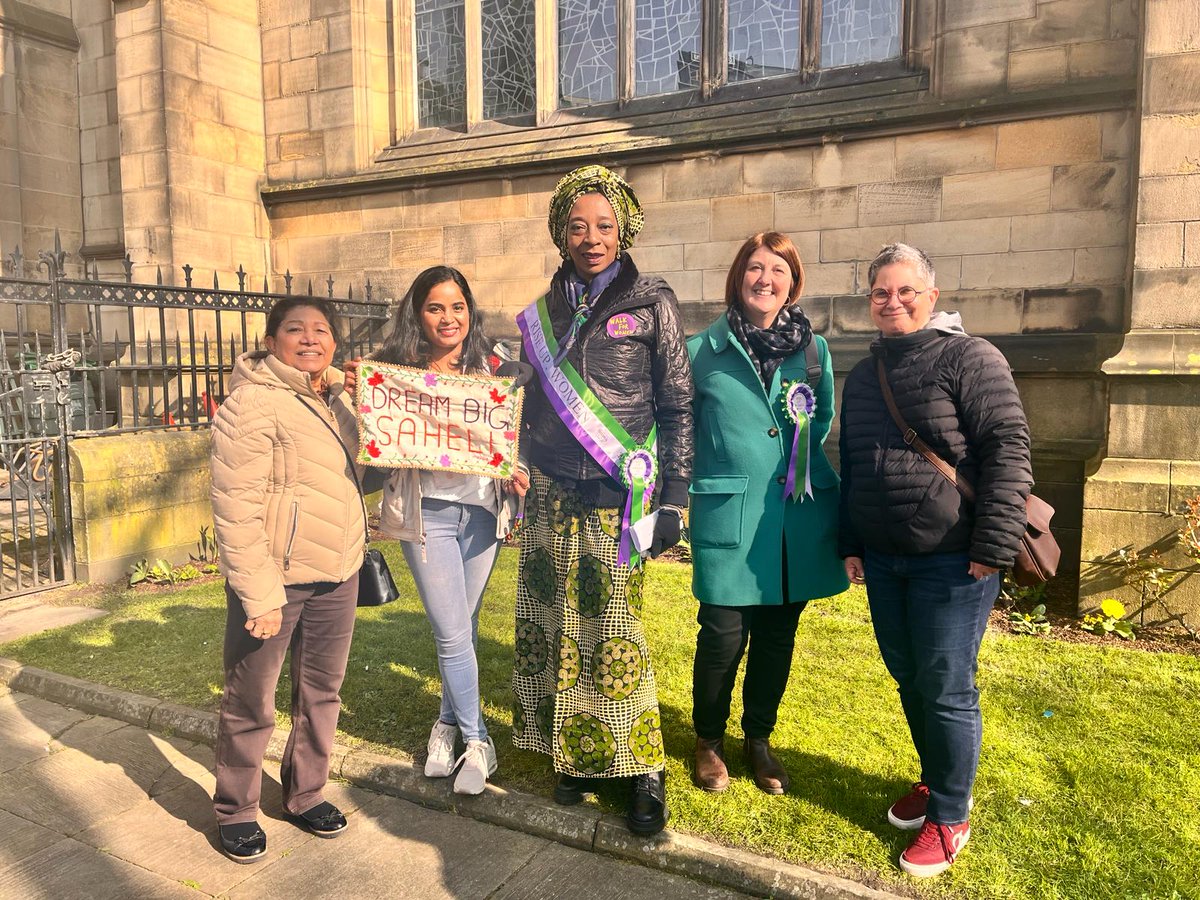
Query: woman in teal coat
{"x": 764, "y": 501}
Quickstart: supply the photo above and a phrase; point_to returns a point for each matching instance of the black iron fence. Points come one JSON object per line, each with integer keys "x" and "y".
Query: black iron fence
{"x": 88, "y": 356}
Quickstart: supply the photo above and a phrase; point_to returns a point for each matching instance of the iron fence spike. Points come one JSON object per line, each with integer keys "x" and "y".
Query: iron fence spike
{"x": 187, "y": 275}
{"x": 241, "y": 276}
{"x": 216, "y": 284}
{"x": 329, "y": 284}
{"x": 287, "y": 281}
{"x": 159, "y": 275}
{"x": 127, "y": 265}
{"x": 310, "y": 292}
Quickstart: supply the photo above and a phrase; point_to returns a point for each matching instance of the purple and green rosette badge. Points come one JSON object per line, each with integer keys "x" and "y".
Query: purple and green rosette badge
{"x": 799, "y": 403}
{"x": 639, "y": 471}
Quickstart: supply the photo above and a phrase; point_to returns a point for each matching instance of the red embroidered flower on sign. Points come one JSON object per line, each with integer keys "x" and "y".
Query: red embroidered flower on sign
{"x": 373, "y": 449}
{"x": 376, "y": 379}
{"x": 496, "y": 396}
{"x": 494, "y": 362}
{"x": 496, "y": 459}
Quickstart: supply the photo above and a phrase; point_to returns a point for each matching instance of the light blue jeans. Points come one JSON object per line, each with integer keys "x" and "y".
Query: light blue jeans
{"x": 460, "y": 550}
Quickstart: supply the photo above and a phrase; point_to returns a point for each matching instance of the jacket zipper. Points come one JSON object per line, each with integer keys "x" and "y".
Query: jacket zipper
{"x": 287, "y": 553}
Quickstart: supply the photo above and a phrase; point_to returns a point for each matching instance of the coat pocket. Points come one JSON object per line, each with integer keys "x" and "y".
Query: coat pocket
{"x": 294, "y": 527}
{"x": 718, "y": 503}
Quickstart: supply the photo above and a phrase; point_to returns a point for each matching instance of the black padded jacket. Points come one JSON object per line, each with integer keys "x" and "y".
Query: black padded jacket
{"x": 641, "y": 375}
{"x": 957, "y": 392}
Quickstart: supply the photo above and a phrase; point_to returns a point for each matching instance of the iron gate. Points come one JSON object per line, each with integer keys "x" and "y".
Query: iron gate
{"x": 81, "y": 356}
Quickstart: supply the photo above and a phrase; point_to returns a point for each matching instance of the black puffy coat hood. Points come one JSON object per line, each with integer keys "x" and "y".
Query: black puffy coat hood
{"x": 640, "y": 377}
{"x": 957, "y": 392}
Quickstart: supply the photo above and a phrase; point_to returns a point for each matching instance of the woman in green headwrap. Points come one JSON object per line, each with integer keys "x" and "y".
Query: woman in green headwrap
{"x": 607, "y": 440}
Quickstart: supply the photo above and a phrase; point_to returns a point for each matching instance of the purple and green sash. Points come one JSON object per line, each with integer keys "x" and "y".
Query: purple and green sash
{"x": 605, "y": 439}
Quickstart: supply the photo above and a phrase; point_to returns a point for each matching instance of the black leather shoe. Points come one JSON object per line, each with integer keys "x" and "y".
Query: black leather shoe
{"x": 648, "y": 812}
{"x": 243, "y": 842}
{"x": 324, "y": 820}
{"x": 570, "y": 789}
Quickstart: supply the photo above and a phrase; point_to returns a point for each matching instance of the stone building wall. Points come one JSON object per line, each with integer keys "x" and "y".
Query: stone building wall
{"x": 39, "y": 129}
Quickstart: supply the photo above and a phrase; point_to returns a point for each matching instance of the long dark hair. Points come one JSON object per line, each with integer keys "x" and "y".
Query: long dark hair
{"x": 406, "y": 344}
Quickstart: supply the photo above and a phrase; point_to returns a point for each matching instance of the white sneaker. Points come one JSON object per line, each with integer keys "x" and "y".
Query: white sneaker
{"x": 440, "y": 762}
{"x": 477, "y": 763}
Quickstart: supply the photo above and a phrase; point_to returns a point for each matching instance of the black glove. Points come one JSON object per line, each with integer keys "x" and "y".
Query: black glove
{"x": 520, "y": 372}
{"x": 667, "y": 529}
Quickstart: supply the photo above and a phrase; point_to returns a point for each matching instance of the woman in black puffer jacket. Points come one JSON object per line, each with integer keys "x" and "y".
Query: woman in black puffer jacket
{"x": 608, "y": 442}
{"x": 929, "y": 558}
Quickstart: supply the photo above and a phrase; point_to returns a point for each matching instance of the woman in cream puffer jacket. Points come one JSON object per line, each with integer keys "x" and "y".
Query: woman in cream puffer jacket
{"x": 291, "y": 529}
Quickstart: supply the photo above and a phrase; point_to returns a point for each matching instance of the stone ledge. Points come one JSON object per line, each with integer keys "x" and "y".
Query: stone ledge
{"x": 39, "y": 24}
{"x": 798, "y": 117}
{"x": 582, "y": 827}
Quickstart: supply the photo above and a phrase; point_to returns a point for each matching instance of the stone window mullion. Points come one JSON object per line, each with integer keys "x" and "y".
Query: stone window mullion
{"x": 546, "y": 58}
{"x": 474, "y": 54}
{"x": 404, "y": 67}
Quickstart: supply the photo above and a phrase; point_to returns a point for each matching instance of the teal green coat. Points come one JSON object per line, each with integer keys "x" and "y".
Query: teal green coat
{"x": 739, "y": 518}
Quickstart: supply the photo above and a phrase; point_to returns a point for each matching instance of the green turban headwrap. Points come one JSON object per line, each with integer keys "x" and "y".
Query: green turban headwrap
{"x": 595, "y": 180}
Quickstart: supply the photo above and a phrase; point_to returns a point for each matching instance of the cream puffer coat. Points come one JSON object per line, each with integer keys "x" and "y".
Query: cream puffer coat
{"x": 286, "y": 507}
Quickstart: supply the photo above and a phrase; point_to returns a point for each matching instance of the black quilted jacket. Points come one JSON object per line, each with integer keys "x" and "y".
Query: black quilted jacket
{"x": 641, "y": 377}
{"x": 957, "y": 392}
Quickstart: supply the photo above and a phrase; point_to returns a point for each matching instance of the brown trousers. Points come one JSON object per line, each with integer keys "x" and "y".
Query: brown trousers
{"x": 318, "y": 622}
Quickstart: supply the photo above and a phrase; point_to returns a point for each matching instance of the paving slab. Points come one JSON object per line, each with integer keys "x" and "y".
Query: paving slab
{"x": 19, "y": 839}
{"x": 564, "y": 873}
{"x": 71, "y": 788}
{"x": 69, "y": 870}
{"x": 175, "y": 834}
{"x": 17, "y": 621}
{"x": 399, "y": 850}
{"x": 27, "y": 727}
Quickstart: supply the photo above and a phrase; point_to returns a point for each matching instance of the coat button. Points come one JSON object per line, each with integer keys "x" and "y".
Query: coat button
{"x": 781, "y": 480}
{"x": 773, "y": 432}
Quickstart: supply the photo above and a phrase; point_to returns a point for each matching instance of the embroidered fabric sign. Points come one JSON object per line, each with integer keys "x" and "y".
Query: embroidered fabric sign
{"x": 417, "y": 419}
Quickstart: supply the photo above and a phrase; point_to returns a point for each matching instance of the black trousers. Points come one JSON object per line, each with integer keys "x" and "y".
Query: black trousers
{"x": 769, "y": 632}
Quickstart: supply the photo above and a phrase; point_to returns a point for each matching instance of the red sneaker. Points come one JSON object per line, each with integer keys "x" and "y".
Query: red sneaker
{"x": 908, "y": 813}
{"x": 934, "y": 849}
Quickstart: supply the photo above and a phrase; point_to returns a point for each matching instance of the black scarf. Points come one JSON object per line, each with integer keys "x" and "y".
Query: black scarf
{"x": 768, "y": 347}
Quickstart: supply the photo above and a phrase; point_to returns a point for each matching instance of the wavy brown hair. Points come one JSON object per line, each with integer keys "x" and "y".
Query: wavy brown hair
{"x": 779, "y": 244}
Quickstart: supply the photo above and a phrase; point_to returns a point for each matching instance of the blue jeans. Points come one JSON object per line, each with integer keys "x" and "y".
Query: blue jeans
{"x": 929, "y": 616}
{"x": 460, "y": 550}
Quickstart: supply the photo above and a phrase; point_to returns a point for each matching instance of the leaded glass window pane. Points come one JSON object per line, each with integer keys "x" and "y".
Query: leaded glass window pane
{"x": 508, "y": 67}
{"x": 859, "y": 31}
{"x": 587, "y": 51}
{"x": 764, "y": 38}
{"x": 667, "y": 52}
{"x": 441, "y": 62}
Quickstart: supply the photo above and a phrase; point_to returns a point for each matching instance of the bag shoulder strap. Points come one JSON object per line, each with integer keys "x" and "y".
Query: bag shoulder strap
{"x": 812, "y": 359}
{"x": 349, "y": 461}
{"x": 913, "y": 439}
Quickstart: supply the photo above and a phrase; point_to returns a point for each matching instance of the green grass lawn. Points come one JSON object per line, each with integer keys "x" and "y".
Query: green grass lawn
{"x": 1089, "y": 785}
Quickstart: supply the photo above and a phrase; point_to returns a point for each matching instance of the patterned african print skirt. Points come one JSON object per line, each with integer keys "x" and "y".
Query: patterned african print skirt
{"x": 583, "y": 681}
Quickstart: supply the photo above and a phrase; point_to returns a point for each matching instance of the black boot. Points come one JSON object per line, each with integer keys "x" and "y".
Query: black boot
{"x": 648, "y": 812}
{"x": 570, "y": 789}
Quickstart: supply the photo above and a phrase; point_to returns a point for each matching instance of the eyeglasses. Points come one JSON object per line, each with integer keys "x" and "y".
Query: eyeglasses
{"x": 906, "y": 295}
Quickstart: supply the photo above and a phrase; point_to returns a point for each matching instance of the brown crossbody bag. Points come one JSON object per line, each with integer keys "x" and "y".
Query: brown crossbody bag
{"x": 1037, "y": 558}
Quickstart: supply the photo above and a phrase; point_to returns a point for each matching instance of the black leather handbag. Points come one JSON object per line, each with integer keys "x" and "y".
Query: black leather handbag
{"x": 376, "y": 586}
{"x": 375, "y": 583}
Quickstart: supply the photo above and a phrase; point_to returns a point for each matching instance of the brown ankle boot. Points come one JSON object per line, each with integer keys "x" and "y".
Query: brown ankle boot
{"x": 711, "y": 774}
{"x": 769, "y": 775}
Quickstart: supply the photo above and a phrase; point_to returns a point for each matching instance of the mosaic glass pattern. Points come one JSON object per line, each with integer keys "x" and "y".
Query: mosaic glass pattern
{"x": 764, "y": 38}
{"x": 441, "y": 62}
{"x": 508, "y": 66}
{"x": 587, "y": 51}
{"x": 667, "y": 50}
{"x": 859, "y": 31}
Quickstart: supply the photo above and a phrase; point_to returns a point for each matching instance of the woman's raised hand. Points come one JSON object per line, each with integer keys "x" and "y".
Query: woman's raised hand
{"x": 518, "y": 484}
{"x": 350, "y": 370}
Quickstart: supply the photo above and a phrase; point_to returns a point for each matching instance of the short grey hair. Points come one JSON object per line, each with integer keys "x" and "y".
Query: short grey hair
{"x": 902, "y": 253}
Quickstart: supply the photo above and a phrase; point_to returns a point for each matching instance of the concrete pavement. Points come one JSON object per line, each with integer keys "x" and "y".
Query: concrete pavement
{"x": 92, "y": 807}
